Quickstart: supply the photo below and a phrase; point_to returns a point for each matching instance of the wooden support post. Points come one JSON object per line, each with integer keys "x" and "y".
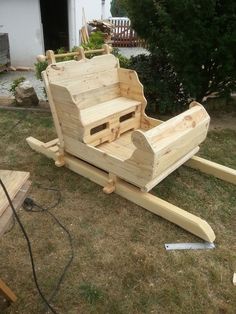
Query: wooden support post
{"x": 210, "y": 167}
{"x": 59, "y": 160}
{"x": 81, "y": 54}
{"x": 156, "y": 205}
{"x": 107, "y": 49}
{"x": 50, "y": 56}
{"x": 7, "y": 292}
{"x": 111, "y": 184}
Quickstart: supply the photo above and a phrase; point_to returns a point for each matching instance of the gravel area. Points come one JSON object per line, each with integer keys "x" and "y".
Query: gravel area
{"x": 128, "y": 52}
{"x": 6, "y": 78}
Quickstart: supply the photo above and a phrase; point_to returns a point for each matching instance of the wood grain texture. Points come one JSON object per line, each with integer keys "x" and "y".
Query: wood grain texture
{"x": 95, "y": 103}
{"x": 13, "y": 181}
{"x": 7, "y": 292}
{"x": 6, "y": 218}
{"x": 88, "y": 93}
{"x": 219, "y": 171}
{"x": 156, "y": 205}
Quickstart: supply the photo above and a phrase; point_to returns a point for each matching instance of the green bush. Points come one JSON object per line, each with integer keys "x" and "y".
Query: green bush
{"x": 118, "y": 8}
{"x": 39, "y": 68}
{"x": 195, "y": 38}
{"x": 124, "y": 61}
{"x": 96, "y": 40}
{"x": 15, "y": 83}
{"x": 162, "y": 89}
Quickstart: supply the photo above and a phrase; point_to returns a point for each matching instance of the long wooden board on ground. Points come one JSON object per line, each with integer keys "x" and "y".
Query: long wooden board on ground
{"x": 7, "y": 292}
{"x": 17, "y": 185}
{"x": 13, "y": 181}
{"x": 212, "y": 168}
{"x": 6, "y": 219}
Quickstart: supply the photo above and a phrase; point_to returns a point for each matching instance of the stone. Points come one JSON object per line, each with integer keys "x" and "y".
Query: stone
{"x": 26, "y": 95}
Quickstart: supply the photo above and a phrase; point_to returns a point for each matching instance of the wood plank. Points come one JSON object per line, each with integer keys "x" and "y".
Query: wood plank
{"x": 68, "y": 71}
{"x": 106, "y": 110}
{"x": 95, "y": 96}
{"x": 169, "y": 170}
{"x": 54, "y": 112}
{"x": 40, "y": 147}
{"x": 7, "y": 292}
{"x": 131, "y": 172}
{"x": 130, "y": 86}
{"x": 51, "y": 143}
{"x": 183, "y": 127}
{"x": 219, "y": 171}
{"x": 13, "y": 180}
{"x": 7, "y": 217}
{"x": 92, "y": 81}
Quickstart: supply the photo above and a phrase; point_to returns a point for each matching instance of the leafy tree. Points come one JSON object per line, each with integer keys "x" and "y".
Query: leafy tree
{"x": 197, "y": 38}
{"x": 118, "y": 8}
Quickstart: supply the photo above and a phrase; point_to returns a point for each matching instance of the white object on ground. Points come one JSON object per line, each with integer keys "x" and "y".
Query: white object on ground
{"x": 189, "y": 246}
{"x": 234, "y": 279}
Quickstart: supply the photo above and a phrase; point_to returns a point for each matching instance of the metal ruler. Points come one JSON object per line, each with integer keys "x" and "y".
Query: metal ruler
{"x": 189, "y": 246}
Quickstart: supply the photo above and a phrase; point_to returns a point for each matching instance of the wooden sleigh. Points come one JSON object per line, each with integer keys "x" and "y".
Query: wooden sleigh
{"x": 104, "y": 134}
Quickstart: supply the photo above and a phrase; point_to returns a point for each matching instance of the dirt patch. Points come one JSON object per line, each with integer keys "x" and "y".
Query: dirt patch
{"x": 224, "y": 121}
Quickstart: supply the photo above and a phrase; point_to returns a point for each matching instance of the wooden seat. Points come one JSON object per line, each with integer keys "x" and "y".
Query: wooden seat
{"x": 96, "y": 101}
{"x": 118, "y": 107}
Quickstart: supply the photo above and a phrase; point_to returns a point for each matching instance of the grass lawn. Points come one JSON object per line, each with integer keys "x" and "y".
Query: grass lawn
{"x": 120, "y": 264}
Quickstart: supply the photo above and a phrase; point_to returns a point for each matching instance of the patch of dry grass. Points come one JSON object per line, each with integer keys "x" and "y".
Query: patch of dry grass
{"x": 120, "y": 263}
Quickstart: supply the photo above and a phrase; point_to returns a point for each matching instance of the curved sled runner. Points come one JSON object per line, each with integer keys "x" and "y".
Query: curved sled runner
{"x": 99, "y": 114}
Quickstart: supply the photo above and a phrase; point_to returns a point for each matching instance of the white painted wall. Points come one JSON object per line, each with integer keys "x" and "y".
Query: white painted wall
{"x": 21, "y": 19}
{"x": 93, "y": 10}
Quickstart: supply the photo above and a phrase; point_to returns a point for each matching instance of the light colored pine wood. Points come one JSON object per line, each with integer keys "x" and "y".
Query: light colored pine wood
{"x": 13, "y": 181}
{"x": 50, "y": 57}
{"x": 7, "y": 292}
{"x": 99, "y": 114}
{"x": 81, "y": 54}
{"x": 180, "y": 217}
{"x": 67, "y": 72}
{"x": 6, "y": 219}
{"x": 55, "y": 120}
{"x": 87, "y": 95}
{"x": 212, "y": 168}
{"x": 169, "y": 170}
{"x": 107, "y": 49}
{"x": 106, "y": 110}
{"x": 51, "y": 143}
{"x": 111, "y": 184}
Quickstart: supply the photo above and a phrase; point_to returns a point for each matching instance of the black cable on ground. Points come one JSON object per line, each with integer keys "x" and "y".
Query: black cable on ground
{"x": 29, "y": 206}
{"x": 29, "y": 248}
